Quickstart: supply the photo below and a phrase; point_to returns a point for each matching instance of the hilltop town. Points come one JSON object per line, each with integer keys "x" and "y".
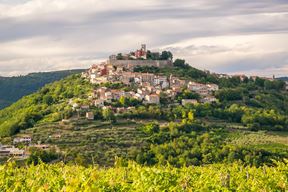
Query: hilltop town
{"x": 147, "y": 87}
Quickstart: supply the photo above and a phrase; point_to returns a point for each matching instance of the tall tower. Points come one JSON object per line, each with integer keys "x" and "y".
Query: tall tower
{"x": 143, "y": 47}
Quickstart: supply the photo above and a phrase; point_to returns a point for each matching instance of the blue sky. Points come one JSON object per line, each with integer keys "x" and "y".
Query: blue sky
{"x": 227, "y": 36}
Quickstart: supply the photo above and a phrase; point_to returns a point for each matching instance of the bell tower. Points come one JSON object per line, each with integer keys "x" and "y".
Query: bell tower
{"x": 143, "y": 47}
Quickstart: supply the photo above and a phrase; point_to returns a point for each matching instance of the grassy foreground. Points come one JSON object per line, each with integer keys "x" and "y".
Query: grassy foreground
{"x": 216, "y": 177}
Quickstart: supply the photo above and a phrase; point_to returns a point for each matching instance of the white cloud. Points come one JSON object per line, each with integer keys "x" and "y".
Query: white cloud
{"x": 22, "y": 66}
{"x": 232, "y": 54}
{"x": 225, "y": 36}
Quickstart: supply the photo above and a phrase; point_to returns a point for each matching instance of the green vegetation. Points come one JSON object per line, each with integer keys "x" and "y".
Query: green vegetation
{"x": 95, "y": 142}
{"x": 47, "y": 105}
{"x": 217, "y": 177}
{"x": 238, "y": 143}
{"x": 189, "y": 143}
{"x": 13, "y": 88}
{"x": 246, "y": 104}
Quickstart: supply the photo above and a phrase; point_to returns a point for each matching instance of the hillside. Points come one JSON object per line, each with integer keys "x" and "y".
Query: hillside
{"x": 13, "y": 88}
{"x": 247, "y": 123}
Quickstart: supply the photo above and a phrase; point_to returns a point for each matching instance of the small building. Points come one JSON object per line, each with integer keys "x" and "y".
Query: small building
{"x": 116, "y": 94}
{"x": 17, "y": 153}
{"x": 120, "y": 110}
{"x": 66, "y": 121}
{"x": 141, "y": 53}
{"x": 189, "y": 101}
{"x": 143, "y": 91}
{"x": 146, "y": 77}
{"x": 90, "y": 115}
{"x": 138, "y": 96}
{"x": 75, "y": 106}
{"x": 99, "y": 103}
{"x": 194, "y": 86}
{"x": 174, "y": 81}
{"x": 171, "y": 93}
{"x": 158, "y": 91}
{"x": 176, "y": 88}
{"x": 11, "y": 151}
{"x": 56, "y": 136}
{"x": 22, "y": 139}
{"x": 203, "y": 91}
{"x": 108, "y": 96}
{"x": 145, "y": 84}
{"x": 208, "y": 99}
{"x": 152, "y": 99}
{"x": 162, "y": 81}
{"x": 4, "y": 151}
{"x": 212, "y": 87}
{"x": 85, "y": 107}
{"x": 41, "y": 146}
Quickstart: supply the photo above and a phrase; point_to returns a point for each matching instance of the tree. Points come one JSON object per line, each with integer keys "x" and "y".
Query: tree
{"x": 79, "y": 159}
{"x": 38, "y": 155}
{"x": 48, "y": 99}
{"x": 277, "y": 85}
{"x": 122, "y": 101}
{"x": 259, "y": 82}
{"x": 108, "y": 114}
{"x": 190, "y": 116}
{"x": 151, "y": 128}
{"x": 166, "y": 55}
{"x": 119, "y": 56}
{"x": 229, "y": 94}
{"x": 179, "y": 63}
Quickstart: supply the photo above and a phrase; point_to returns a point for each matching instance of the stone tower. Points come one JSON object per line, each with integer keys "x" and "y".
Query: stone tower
{"x": 143, "y": 47}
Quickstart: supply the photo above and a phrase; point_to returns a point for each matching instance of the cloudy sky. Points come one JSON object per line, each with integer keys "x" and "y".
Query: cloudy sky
{"x": 226, "y": 36}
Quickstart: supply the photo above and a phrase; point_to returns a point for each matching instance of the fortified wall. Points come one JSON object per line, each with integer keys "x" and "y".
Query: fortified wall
{"x": 134, "y": 63}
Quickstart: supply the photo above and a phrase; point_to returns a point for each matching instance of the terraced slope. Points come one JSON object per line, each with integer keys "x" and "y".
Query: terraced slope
{"x": 98, "y": 141}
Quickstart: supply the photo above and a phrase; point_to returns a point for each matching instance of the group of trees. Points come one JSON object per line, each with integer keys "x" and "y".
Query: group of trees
{"x": 229, "y": 94}
{"x": 184, "y": 144}
{"x": 46, "y": 156}
{"x": 164, "y": 55}
{"x": 127, "y": 102}
{"x": 186, "y": 94}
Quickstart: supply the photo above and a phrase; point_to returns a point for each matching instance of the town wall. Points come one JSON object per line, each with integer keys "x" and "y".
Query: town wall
{"x": 134, "y": 63}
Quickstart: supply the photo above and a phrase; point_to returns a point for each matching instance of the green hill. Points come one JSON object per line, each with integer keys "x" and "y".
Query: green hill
{"x": 13, "y": 88}
{"x": 248, "y": 124}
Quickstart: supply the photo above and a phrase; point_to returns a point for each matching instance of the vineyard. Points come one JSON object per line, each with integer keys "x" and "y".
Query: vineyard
{"x": 216, "y": 177}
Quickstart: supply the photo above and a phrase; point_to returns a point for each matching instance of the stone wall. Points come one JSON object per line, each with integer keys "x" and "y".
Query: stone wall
{"x": 134, "y": 63}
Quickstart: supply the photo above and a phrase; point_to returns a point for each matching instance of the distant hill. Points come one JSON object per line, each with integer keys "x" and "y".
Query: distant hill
{"x": 13, "y": 88}
{"x": 283, "y": 78}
